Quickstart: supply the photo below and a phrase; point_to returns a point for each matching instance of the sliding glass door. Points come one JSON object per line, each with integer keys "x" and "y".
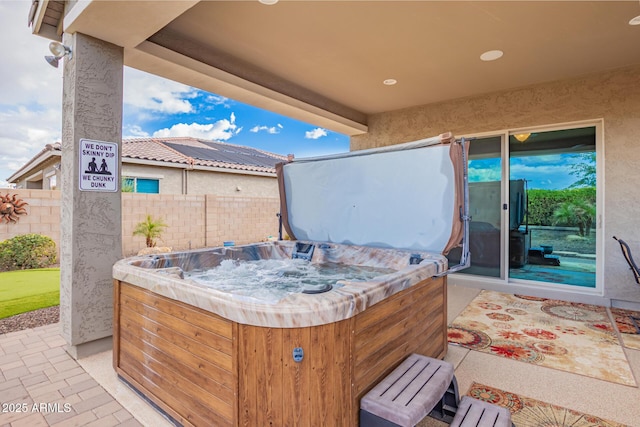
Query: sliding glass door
{"x": 537, "y": 226}
{"x": 555, "y": 239}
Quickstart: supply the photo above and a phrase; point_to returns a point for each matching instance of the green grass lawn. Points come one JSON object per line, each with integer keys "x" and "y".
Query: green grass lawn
{"x": 28, "y": 290}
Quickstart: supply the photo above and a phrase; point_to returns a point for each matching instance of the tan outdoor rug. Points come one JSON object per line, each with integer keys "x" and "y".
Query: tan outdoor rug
{"x": 571, "y": 337}
{"x": 527, "y": 412}
{"x": 627, "y": 322}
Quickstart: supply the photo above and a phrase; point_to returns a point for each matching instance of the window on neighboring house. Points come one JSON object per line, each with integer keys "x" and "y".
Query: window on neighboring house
{"x": 140, "y": 185}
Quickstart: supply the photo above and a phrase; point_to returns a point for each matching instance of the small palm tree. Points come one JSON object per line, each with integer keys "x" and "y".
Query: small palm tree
{"x": 151, "y": 229}
{"x": 580, "y": 213}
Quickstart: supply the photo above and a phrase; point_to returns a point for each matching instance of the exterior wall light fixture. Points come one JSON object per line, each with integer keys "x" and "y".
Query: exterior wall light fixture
{"x": 59, "y": 51}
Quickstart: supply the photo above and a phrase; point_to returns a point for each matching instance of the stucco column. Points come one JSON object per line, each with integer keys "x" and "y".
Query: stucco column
{"x": 91, "y": 226}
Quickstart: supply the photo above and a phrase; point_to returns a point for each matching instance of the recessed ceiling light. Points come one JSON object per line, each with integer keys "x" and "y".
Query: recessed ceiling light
{"x": 635, "y": 21}
{"x": 268, "y": 2}
{"x": 390, "y": 82}
{"x": 491, "y": 55}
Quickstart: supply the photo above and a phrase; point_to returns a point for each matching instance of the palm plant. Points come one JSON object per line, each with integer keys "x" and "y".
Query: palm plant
{"x": 580, "y": 213}
{"x": 151, "y": 229}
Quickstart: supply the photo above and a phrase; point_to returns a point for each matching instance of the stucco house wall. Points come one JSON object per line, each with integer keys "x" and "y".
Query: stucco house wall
{"x": 199, "y": 182}
{"x": 230, "y": 184}
{"x": 170, "y": 179}
{"x": 613, "y": 97}
{"x": 174, "y": 180}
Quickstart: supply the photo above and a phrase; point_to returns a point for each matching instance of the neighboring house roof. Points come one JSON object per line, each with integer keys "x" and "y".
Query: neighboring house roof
{"x": 32, "y": 166}
{"x": 192, "y": 153}
{"x": 201, "y": 152}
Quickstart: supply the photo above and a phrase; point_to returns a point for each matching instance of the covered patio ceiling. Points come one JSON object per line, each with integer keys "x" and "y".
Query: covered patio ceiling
{"x": 324, "y": 62}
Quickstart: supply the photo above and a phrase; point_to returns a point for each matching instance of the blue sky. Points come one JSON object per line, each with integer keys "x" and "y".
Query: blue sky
{"x": 547, "y": 172}
{"x": 31, "y": 106}
{"x": 159, "y": 107}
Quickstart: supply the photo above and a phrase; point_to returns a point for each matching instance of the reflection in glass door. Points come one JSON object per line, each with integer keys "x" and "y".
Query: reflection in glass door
{"x": 552, "y": 237}
{"x": 485, "y": 180}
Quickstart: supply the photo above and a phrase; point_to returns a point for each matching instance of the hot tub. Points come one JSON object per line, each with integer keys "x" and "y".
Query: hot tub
{"x": 208, "y": 355}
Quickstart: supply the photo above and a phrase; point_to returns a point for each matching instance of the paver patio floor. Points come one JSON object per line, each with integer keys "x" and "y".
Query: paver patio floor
{"x": 42, "y": 385}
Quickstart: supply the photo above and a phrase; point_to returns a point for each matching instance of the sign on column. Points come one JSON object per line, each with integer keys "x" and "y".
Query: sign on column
{"x": 98, "y": 165}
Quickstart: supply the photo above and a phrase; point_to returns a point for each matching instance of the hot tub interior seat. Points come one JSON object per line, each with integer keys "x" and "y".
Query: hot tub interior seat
{"x": 268, "y": 272}
{"x": 322, "y": 253}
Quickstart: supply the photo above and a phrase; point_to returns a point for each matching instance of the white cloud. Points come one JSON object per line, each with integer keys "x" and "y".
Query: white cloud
{"x": 152, "y": 93}
{"x": 221, "y": 130}
{"x": 271, "y": 130}
{"x": 315, "y": 134}
{"x": 31, "y": 101}
{"x": 134, "y": 131}
{"x": 484, "y": 175}
{"x": 518, "y": 171}
{"x": 218, "y": 100}
{"x": 23, "y": 133}
{"x": 26, "y": 78}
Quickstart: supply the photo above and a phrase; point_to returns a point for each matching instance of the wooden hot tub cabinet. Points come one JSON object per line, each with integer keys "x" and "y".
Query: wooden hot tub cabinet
{"x": 204, "y": 370}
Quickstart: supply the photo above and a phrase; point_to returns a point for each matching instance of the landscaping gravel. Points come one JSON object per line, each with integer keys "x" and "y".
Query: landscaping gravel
{"x": 31, "y": 319}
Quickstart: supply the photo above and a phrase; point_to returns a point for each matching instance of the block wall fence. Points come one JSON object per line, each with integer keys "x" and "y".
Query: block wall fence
{"x": 194, "y": 221}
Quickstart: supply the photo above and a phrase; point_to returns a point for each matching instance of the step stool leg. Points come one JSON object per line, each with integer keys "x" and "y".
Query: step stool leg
{"x": 447, "y": 407}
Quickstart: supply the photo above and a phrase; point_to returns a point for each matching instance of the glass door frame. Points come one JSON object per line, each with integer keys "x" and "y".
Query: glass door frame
{"x": 504, "y": 283}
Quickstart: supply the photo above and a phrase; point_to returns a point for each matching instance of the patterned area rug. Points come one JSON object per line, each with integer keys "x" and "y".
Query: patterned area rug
{"x": 628, "y": 323}
{"x": 571, "y": 337}
{"x": 527, "y": 412}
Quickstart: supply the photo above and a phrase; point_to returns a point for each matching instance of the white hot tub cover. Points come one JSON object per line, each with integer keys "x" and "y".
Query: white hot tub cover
{"x": 407, "y": 196}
